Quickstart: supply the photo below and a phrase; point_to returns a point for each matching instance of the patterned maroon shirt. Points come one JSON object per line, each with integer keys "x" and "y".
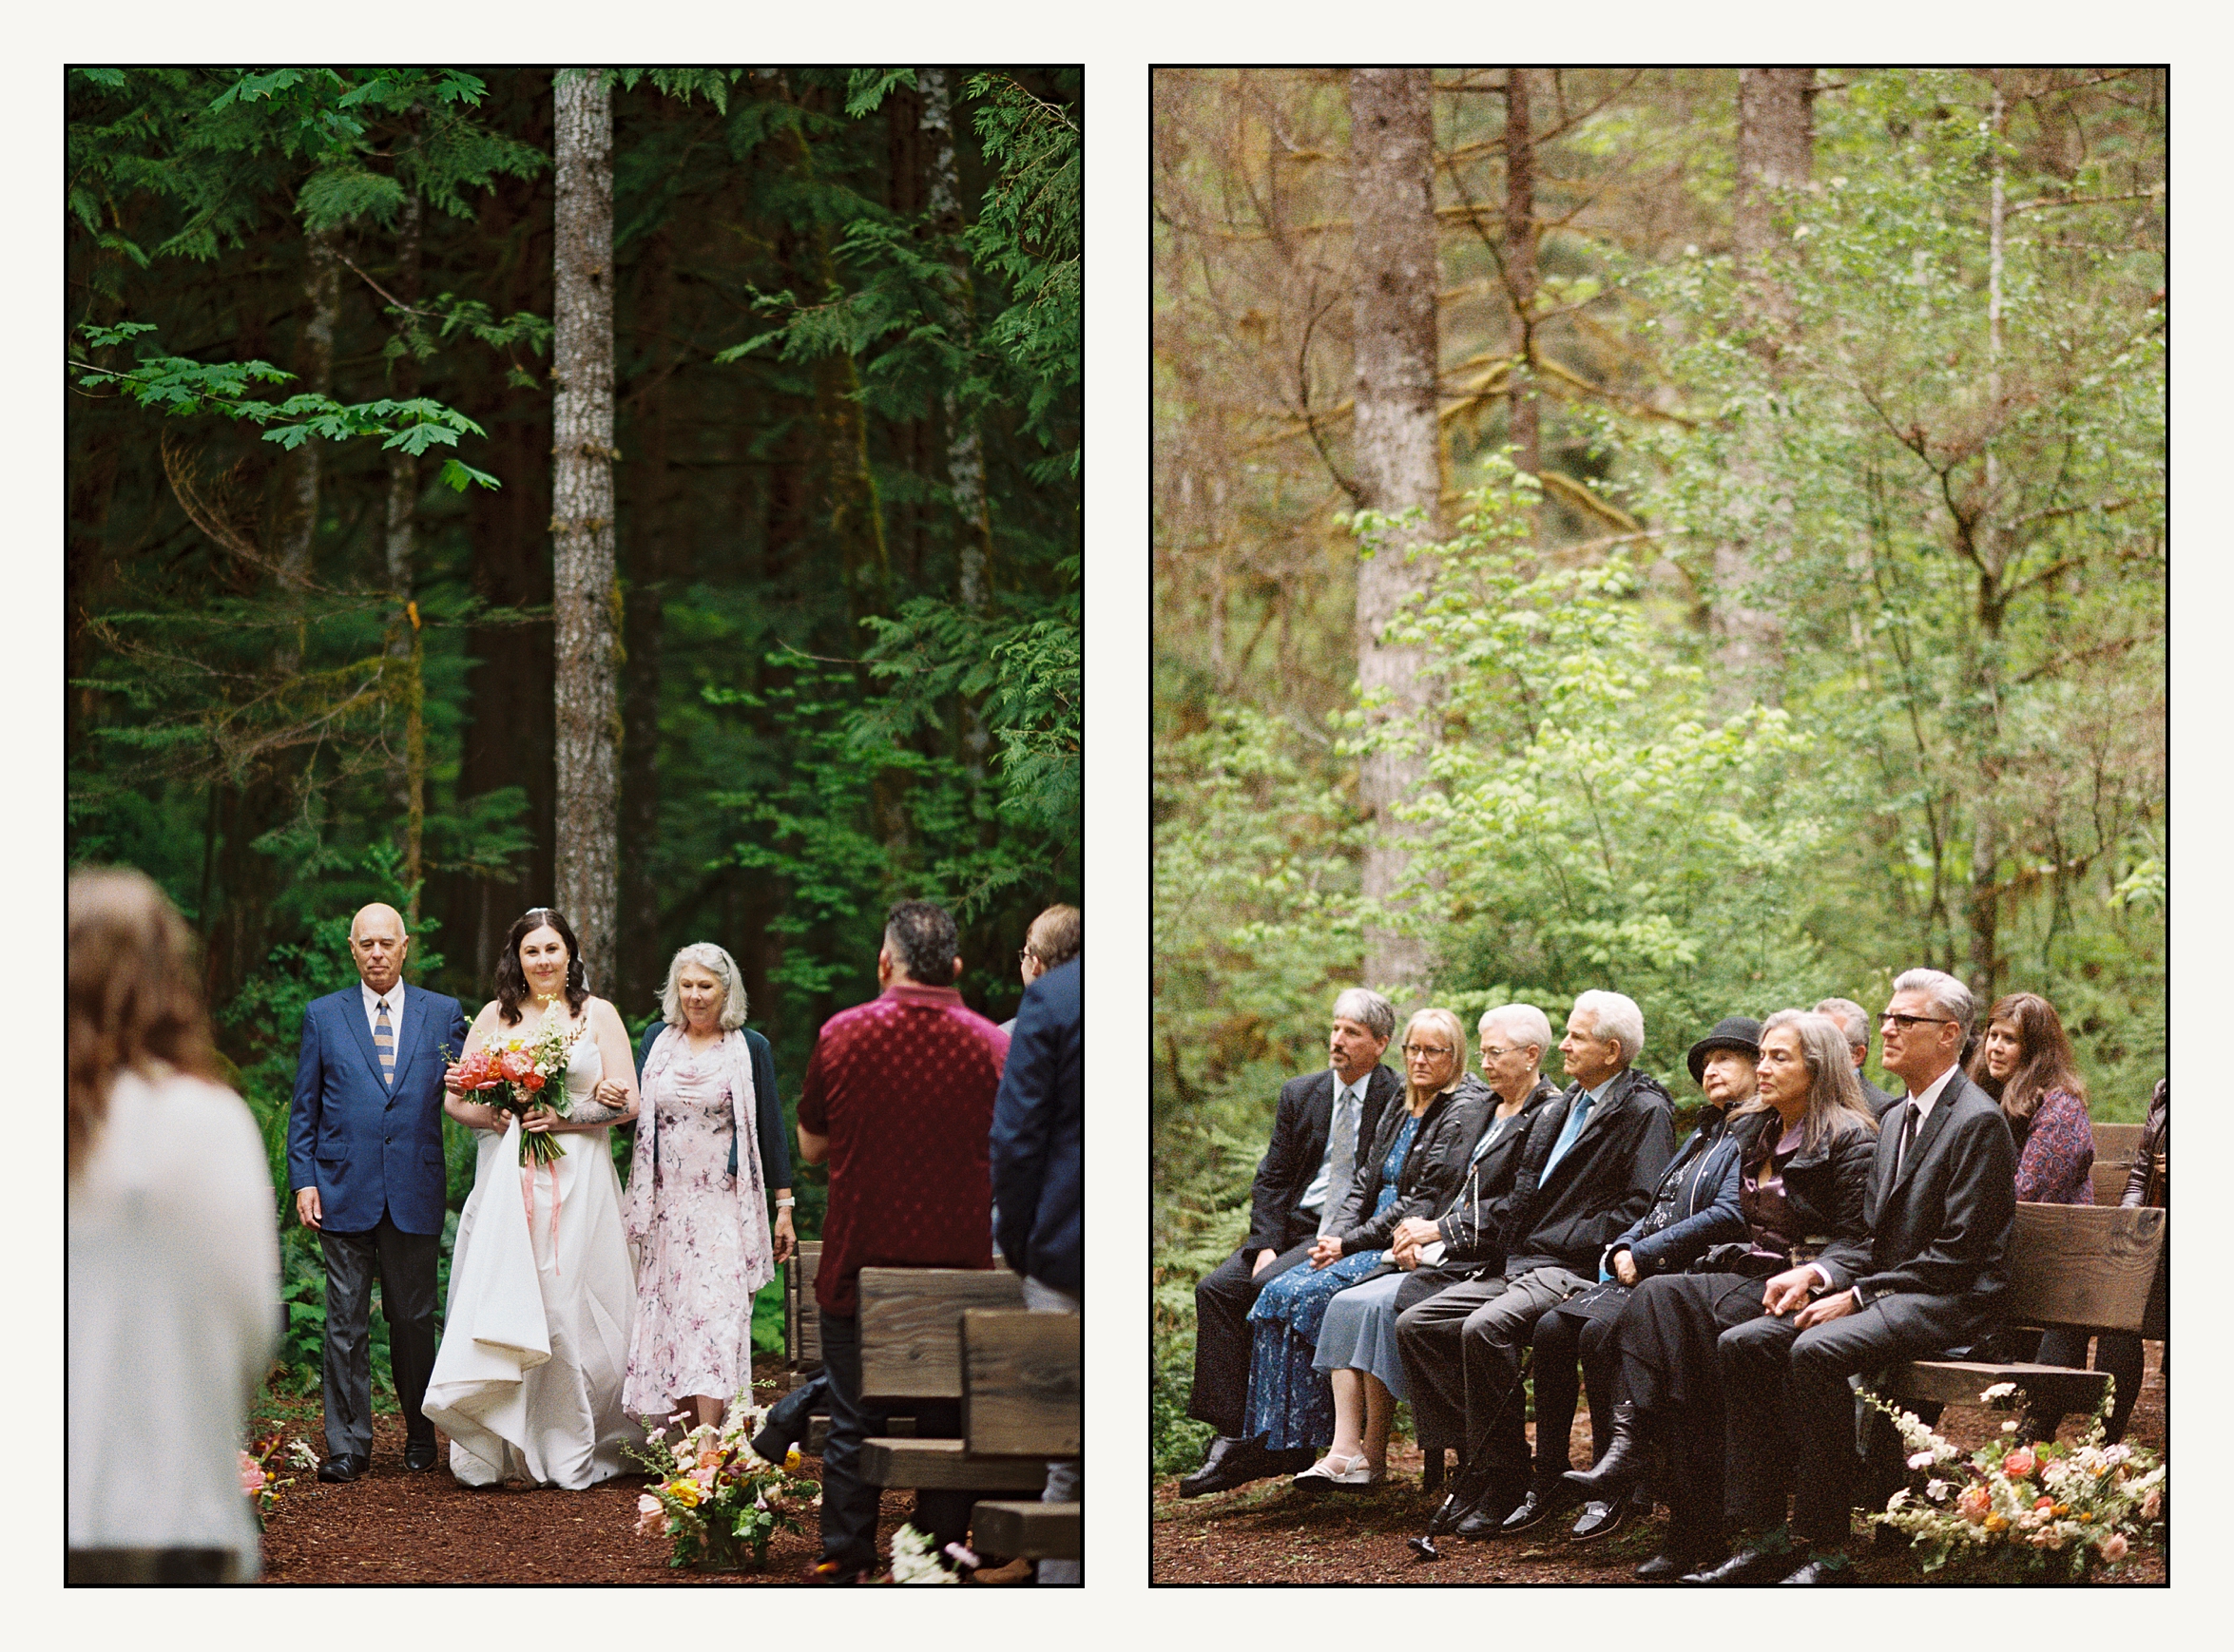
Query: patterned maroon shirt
{"x": 904, "y": 1087}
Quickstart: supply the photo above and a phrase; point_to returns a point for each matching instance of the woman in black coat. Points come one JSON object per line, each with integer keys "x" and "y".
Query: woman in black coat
{"x": 1411, "y": 1168}
{"x": 1694, "y": 1208}
{"x": 1804, "y": 1169}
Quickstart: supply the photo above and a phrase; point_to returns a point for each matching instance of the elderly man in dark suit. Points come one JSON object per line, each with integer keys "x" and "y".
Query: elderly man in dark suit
{"x": 364, "y": 1155}
{"x": 1325, "y": 1119}
{"x": 1942, "y": 1197}
{"x": 1854, "y": 1022}
{"x": 1593, "y": 1160}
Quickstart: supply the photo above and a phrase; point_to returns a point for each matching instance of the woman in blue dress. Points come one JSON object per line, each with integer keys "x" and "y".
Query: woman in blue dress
{"x": 1412, "y": 1169}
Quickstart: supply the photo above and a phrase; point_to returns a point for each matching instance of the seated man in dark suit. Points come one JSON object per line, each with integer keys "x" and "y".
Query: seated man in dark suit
{"x": 1325, "y": 1119}
{"x": 1592, "y": 1158}
{"x": 1854, "y": 1022}
{"x": 1942, "y": 1198}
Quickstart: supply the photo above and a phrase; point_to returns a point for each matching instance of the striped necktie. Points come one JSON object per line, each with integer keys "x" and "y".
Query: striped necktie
{"x": 384, "y": 1041}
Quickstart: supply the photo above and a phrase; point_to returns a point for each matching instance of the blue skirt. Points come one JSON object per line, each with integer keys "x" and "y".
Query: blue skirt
{"x": 1359, "y": 1333}
{"x": 1290, "y": 1401}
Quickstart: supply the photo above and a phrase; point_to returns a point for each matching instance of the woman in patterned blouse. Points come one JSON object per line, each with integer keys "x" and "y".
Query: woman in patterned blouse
{"x": 2025, "y": 1063}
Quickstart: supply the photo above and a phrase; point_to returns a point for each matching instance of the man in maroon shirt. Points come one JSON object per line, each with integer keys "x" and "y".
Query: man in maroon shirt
{"x": 898, "y": 1098}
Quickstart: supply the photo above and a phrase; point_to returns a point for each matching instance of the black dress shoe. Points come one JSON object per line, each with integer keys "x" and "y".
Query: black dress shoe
{"x": 343, "y": 1466}
{"x": 1228, "y": 1463}
{"x": 1748, "y": 1565}
{"x": 1821, "y": 1570}
{"x": 1542, "y": 1502}
{"x": 1627, "y": 1460}
{"x": 1486, "y": 1521}
{"x": 1600, "y": 1520}
{"x": 419, "y": 1456}
{"x": 1670, "y": 1563}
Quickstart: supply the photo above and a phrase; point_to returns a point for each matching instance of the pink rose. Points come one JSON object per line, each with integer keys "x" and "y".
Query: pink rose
{"x": 1974, "y": 1503}
{"x": 2151, "y": 1503}
{"x": 2019, "y": 1463}
{"x": 2112, "y": 1546}
{"x": 651, "y": 1519}
{"x": 517, "y": 1065}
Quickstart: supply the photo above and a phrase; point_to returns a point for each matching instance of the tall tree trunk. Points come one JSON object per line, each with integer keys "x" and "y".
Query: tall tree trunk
{"x": 409, "y": 773}
{"x": 1776, "y": 150}
{"x": 1983, "y": 901}
{"x": 1520, "y": 270}
{"x": 1398, "y": 449}
{"x": 314, "y": 370}
{"x": 584, "y": 596}
{"x": 965, "y": 448}
{"x": 650, "y": 487}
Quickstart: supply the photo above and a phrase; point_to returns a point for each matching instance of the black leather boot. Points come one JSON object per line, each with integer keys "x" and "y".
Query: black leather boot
{"x": 1628, "y": 1460}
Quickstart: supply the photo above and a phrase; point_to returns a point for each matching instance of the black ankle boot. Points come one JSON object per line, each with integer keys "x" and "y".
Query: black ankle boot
{"x": 1627, "y": 1461}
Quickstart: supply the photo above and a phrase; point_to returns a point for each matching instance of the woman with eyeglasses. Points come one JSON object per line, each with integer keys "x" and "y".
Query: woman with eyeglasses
{"x": 1412, "y": 1169}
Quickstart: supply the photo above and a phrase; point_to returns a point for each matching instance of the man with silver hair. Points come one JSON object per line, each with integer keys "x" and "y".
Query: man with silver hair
{"x": 1942, "y": 1202}
{"x": 1592, "y": 1161}
{"x": 1854, "y": 1023}
{"x": 1324, "y": 1121}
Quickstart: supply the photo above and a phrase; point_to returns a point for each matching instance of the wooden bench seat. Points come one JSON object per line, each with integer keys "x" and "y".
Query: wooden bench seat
{"x": 2116, "y": 1148}
{"x": 946, "y": 1466}
{"x": 1033, "y": 1531}
{"x": 2084, "y": 1267}
{"x": 1021, "y": 1394}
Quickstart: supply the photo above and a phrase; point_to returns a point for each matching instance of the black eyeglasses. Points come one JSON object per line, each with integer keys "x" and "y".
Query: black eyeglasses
{"x": 1904, "y": 1022}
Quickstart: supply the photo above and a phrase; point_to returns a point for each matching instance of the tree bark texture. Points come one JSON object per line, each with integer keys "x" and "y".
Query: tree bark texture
{"x": 586, "y": 597}
{"x": 1520, "y": 270}
{"x": 1397, "y": 275}
{"x": 1776, "y": 150}
{"x": 314, "y": 368}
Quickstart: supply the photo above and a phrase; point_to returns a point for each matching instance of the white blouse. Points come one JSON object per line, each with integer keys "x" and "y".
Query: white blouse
{"x": 174, "y": 1311}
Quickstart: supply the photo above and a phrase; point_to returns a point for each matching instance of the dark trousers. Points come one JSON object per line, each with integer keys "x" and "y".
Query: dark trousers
{"x": 1790, "y": 1407}
{"x": 1575, "y": 1340}
{"x": 1462, "y": 1352}
{"x": 849, "y": 1503}
{"x": 1223, "y": 1300}
{"x": 2116, "y": 1352}
{"x": 1668, "y": 1335}
{"x": 405, "y": 1263}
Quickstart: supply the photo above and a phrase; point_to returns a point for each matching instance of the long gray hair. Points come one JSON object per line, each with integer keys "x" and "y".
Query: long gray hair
{"x": 1833, "y": 1094}
{"x": 716, "y": 962}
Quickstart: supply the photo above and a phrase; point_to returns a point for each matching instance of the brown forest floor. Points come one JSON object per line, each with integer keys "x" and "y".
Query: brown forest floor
{"x": 395, "y": 1526}
{"x": 1270, "y": 1533}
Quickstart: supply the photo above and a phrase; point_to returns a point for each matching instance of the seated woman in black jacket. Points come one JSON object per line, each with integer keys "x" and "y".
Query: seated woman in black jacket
{"x": 1807, "y": 1142}
{"x": 1694, "y": 1208}
{"x": 1411, "y": 1168}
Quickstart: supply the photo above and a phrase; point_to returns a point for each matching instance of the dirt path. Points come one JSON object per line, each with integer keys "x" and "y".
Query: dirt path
{"x": 393, "y": 1527}
{"x": 1269, "y": 1532}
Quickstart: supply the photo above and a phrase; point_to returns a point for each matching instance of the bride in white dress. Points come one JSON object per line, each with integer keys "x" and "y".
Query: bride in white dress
{"x": 535, "y": 1333}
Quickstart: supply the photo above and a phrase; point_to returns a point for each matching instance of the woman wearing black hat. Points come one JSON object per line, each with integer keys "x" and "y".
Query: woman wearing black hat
{"x": 1807, "y": 1143}
{"x": 1694, "y": 1208}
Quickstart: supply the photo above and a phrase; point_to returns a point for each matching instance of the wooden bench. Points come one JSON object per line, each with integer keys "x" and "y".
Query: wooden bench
{"x": 1022, "y": 1398}
{"x": 910, "y": 1351}
{"x": 2084, "y": 1267}
{"x": 2116, "y": 1148}
{"x": 802, "y": 1329}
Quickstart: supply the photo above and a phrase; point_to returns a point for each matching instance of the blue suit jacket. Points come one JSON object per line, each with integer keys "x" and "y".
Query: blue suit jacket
{"x": 1037, "y": 1173}
{"x": 365, "y": 1149}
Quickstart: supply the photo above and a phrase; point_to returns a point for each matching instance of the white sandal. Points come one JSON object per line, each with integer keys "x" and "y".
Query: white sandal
{"x": 1323, "y": 1474}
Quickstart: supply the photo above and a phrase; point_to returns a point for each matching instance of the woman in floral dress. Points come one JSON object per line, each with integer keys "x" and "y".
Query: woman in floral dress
{"x": 701, "y": 1227}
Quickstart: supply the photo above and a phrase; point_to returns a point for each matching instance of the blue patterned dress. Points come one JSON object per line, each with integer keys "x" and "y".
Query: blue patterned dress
{"x": 1288, "y": 1400}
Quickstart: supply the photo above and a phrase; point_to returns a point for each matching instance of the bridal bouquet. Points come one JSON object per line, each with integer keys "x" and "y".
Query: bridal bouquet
{"x": 2012, "y": 1507}
{"x": 511, "y": 1074}
{"x": 713, "y": 1498}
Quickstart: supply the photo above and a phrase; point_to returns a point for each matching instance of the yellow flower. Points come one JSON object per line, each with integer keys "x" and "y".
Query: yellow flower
{"x": 685, "y": 1492}
{"x": 791, "y": 1459}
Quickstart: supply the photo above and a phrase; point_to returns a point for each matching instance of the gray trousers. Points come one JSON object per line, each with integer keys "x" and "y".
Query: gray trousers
{"x": 1063, "y": 1479}
{"x": 405, "y": 1264}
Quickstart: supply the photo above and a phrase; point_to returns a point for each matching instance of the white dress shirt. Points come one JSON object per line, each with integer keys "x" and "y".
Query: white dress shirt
{"x": 1346, "y": 1097}
{"x": 371, "y": 1000}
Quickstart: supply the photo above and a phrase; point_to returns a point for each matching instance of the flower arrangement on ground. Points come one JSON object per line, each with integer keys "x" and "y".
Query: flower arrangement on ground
{"x": 715, "y": 1498}
{"x": 512, "y": 1072}
{"x": 914, "y": 1558}
{"x": 2017, "y": 1505}
{"x": 259, "y": 1481}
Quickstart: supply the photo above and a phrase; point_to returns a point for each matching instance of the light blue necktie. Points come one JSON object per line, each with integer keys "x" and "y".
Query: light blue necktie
{"x": 1576, "y": 1121}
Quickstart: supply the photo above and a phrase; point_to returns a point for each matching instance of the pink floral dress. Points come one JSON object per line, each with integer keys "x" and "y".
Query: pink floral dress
{"x": 696, "y": 1274}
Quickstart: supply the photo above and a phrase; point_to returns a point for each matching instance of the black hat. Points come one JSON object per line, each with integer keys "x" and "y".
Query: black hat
{"x": 1730, "y": 1032}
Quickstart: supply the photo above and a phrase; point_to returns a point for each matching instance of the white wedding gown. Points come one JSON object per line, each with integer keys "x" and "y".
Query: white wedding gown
{"x": 536, "y": 1335}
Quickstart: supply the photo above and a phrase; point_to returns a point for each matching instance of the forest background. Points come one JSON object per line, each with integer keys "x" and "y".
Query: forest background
{"x": 1698, "y": 531}
{"x": 311, "y": 654}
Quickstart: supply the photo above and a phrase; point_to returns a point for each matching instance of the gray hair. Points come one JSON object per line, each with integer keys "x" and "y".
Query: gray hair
{"x": 1369, "y": 1010}
{"x": 716, "y": 962}
{"x": 1834, "y": 1093}
{"x": 1852, "y": 1018}
{"x": 1615, "y": 1015}
{"x": 1943, "y": 992}
{"x": 1524, "y": 1021}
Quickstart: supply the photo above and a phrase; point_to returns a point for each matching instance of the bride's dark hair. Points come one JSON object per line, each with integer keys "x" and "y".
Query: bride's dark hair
{"x": 511, "y": 981}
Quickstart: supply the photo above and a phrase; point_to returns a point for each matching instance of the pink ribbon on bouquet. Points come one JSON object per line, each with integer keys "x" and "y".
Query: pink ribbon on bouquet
{"x": 527, "y": 1193}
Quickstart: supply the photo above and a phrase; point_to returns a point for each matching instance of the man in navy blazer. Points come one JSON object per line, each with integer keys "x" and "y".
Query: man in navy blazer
{"x": 364, "y": 1157}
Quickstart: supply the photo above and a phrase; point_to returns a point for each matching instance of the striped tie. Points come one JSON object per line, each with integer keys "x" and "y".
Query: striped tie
{"x": 384, "y": 1041}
